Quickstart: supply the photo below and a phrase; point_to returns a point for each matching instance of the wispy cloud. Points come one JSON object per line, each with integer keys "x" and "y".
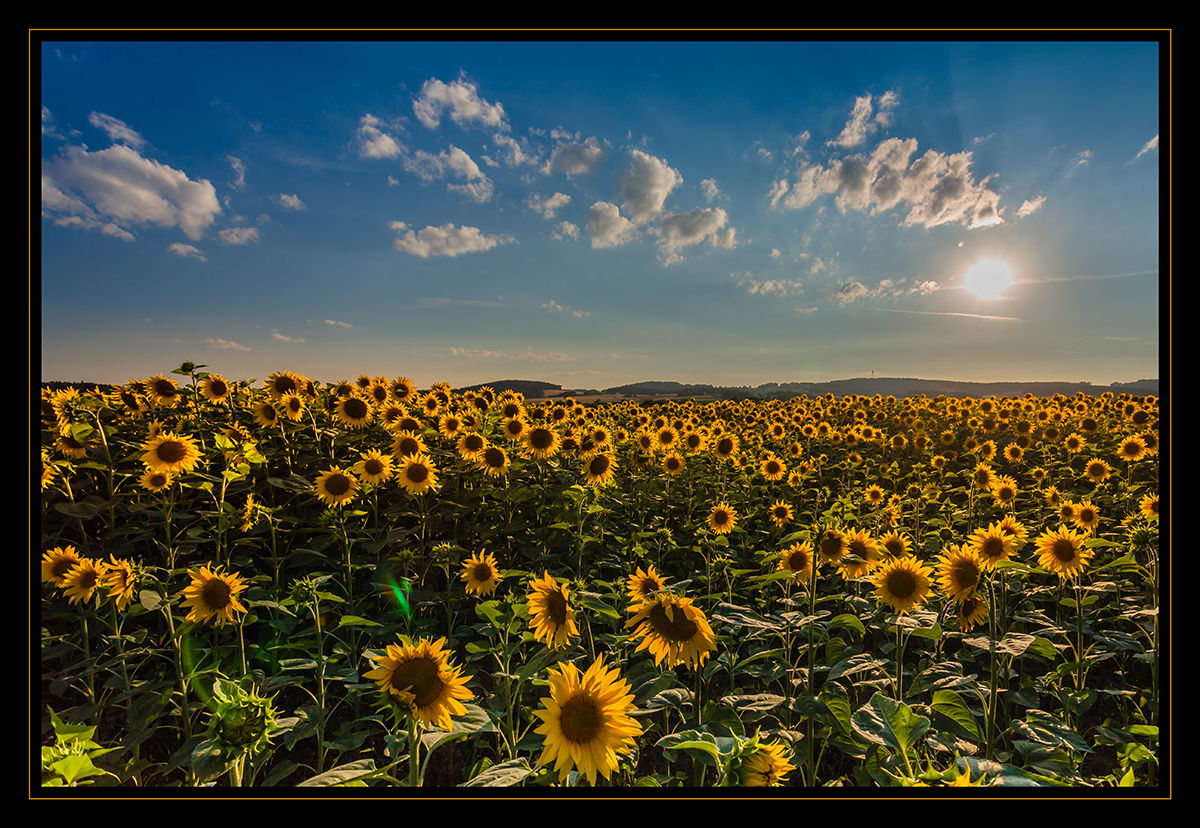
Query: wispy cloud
{"x": 339, "y": 324}
{"x": 238, "y": 235}
{"x": 1031, "y": 206}
{"x": 528, "y": 356}
{"x": 291, "y": 202}
{"x": 118, "y": 131}
{"x": 225, "y": 344}
{"x": 1150, "y": 145}
{"x": 280, "y": 337}
{"x": 952, "y": 313}
{"x": 186, "y": 251}
{"x": 374, "y": 142}
{"x": 554, "y": 306}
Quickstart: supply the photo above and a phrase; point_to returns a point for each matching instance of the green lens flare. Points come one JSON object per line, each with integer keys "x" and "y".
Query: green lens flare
{"x": 401, "y": 590}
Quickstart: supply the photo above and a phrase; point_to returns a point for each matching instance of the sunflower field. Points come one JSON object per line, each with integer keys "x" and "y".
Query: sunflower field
{"x": 285, "y": 583}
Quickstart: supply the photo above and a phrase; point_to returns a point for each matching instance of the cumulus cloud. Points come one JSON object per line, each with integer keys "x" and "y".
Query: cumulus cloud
{"x": 848, "y": 293}
{"x": 239, "y": 172}
{"x": 711, "y": 191}
{"x": 118, "y": 131}
{"x": 768, "y": 287}
{"x": 937, "y": 188}
{"x": 866, "y": 118}
{"x": 679, "y": 230}
{"x": 575, "y": 158}
{"x": 462, "y": 100}
{"x": 548, "y": 206}
{"x": 187, "y": 251}
{"x": 430, "y": 167}
{"x": 277, "y": 335}
{"x": 373, "y": 142}
{"x": 339, "y": 324}
{"x": 116, "y": 232}
{"x": 118, "y": 185}
{"x": 225, "y": 345}
{"x": 566, "y": 230}
{"x": 1031, "y": 206}
{"x": 446, "y": 240}
{"x": 608, "y": 227}
{"x": 238, "y": 235}
{"x": 514, "y": 153}
{"x": 646, "y": 185}
{"x": 291, "y": 202}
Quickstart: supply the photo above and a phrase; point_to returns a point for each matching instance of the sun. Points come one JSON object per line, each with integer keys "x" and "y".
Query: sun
{"x": 988, "y": 278}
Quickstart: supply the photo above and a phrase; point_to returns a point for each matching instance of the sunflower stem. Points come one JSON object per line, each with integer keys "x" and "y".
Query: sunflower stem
{"x": 414, "y": 754}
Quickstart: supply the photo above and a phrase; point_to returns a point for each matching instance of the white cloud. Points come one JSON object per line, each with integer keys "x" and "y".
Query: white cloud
{"x": 646, "y": 185}
{"x": 48, "y": 127}
{"x": 548, "y": 206}
{"x": 775, "y": 254}
{"x": 554, "y": 306}
{"x": 225, "y": 344}
{"x": 515, "y": 153}
{"x": 373, "y": 142}
{"x": 461, "y": 99}
{"x": 861, "y": 123}
{"x": 850, "y": 292}
{"x": 291, "y": 202}
{"x": 608, "y": 227}
{"x": 435, "y": 167}
{"x": 187, "y": 251}
{"x": 769, "y": 287}
{"x": 339, "y": 324}
{"x": 118, "y": 131}
{"x": 277, "y": 335}
{"x": 528, "y": 356}
{"x": 711, "y": 191}
{"x": 91, "y": 189}
{"x": 679, "y": 230}
{"x": 1152, "y": 144}
{"x": 116, "y": 232}
{"x": 1031, "y": 206}
{"x": 575, "y": 158}
{"x": 238, "y": 235}
{"x": 239, "y": 172}
{"x": 566, "y": 230}
{"x": 446, "y": 240}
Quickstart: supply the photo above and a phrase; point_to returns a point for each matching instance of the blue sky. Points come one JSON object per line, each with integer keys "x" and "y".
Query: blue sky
{"x": 598, "y": 213}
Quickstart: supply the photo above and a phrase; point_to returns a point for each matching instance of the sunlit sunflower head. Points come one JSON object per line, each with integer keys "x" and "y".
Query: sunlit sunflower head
{"x": 773, "y": 468}
{"x": 673, "y": 631}
{"x": 417, "y": 474}
{"x": 1149, "y": 506}
{"x": 213, "y": 594}
{"x": 1013, "y": 453}
{"x": 265, "y": 414}
{"x": 57, "y": 562}
{"x": 171, "y": 453}
{"x": 403, "y": 390}
{"x": 162, "y": 391}
{"x": 493, "y": 460}
{"x": 354, "y": 411}
{"x": 725, "y": 447}
{"x": 586, "y": 721}
{"x": 550, "y": 612}
{"x": 422, "y": 680}
{"x": 120, "y": 578}
{"x": 471, "y": 444}
{"x": 83, "y": 579}
{"x": 992, "y": 545}
{"x": 799, "y": 560}
{"x": 762, "y": 764}
{"x": 215, "y": 388}
{"x": 722, "y": 519}
{"x": 1096, "y": 470}
{"x": 406, "y": 444}
{"x": 642, "y": 584}
{"x": 1004, "y": 490}
{"x": 894, "y": 545}
{"x": 482, "y": 574}
{"x": 156, "y": 481}
{"x": 1063, "y": 552}
{"x": 336, "y": 487}
{"x": 375, "y": 467}
{"x": 600, "y": 469}
{"x": 781, "y": 513}
{"x": 1015, "y": 530}
{"x": 982, "y": 476}
{"x": 831, "y": 545}
{"x": 959, "y": 571}
{"x": 1087, "y": 516}
{"x": 1132, "y": 448}
{"x": 875, "y": 495}
{"x": 673, "y": 464}
{"x": 282, "y": 383}
{"x": 1074, "y": 443}
{"x": 903, "y": 583}
{"x": 542, "y": 442}
{"x": 972, "y": 610}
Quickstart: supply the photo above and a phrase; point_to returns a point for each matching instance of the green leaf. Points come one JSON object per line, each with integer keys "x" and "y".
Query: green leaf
{"x": 356, "y": 621}
{"x": 888, "y": 722}
{"x": 504, "y": 775}
{"x": 341, "y": 775}
{"x": 859, "y": 663}
{"x": 76, "y": 767}
{"x": 949, "y": 704}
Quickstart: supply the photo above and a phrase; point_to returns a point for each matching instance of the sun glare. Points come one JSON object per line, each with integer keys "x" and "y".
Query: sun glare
{"x": 988, "y": 278}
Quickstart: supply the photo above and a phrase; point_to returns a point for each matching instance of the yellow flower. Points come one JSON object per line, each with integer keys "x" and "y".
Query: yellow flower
{"x": 422, "y": 677}
{"x": 722, "y": 519}
{"x": 374, "y": 467}
{"x": 213, "y": 594}
{"x": 57, "y": 563}
{"x": 586, "y": 721}
{"x": 904, "y": 583}
{"x": 643, "y": 584}
{"x": 336, "y": 487}
{"x": 673, "y": 630}
{"x": 958, "y": 572}
{"x": 83, "y": 579}
{"x": 600, "y": 469}
{"x": 765, "y": 765}
{"x": 781, "y": 513}
{"x": 550, "y": 612}
{"x": 992, "y": 545}
{"x": 1063, "y": 552}
{"x": 798, "y": 560}
{"x": 481, "y": 574}
{"x": 171, "y": 453}
{"x": 417, "y": 474}
{"x": 121, "y": 579}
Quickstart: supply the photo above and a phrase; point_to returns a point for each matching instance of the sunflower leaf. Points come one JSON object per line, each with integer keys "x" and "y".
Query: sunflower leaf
{"x": 504, "y": 775}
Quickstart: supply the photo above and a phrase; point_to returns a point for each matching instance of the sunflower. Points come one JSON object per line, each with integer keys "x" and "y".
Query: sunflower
{"x": 215, "y": 388}
{"x": 1015, "y": 530}
{"x": 722, "y": 519}
{"x": 798, "y": 560}
{"x": 1149, "y": 507}
{"x": 773, "y": 468}
{"x": 550, "y": 612}
{"x": 673, "y": 464}
{"x": 374, "y": 467}
{"x": 1087, "y": 516}
{"x": 171, "y": 453}
{"x": 600, "y": 469}
{"x": 1097, "y": 470}
{"x": 293, "y": 406}
{"x": 725, "y": 447}
{"x": 156, "y": 481}
{"x": 481, "y": 574}
{"x": 403, "y": 390}
{"x": 213, "y": 594}
{"x": 282, "y": 383}
{"x": 894, "y": 545}
{"x": 417, "y": 474}
{"x": 904, "y": 583}
{"x": 981, "y": 476}
{"x": 161, "y": 390}
{"x": 336, "y": 487}
{"x": 831, "y": 545}
{"x": 1066, "y": 511}
{"x": 265, "y": 414}
{"x": 1063, "y": 552}
{"x": 82, "y": 580}
{"x": 424, "y": 680}
{"x": 781, "y": 513}
{"x": 764, "y": 765}
{"x": 958, "y": 572}
{"x": 407, "y": 443}
{"x": 992, "y": 545}
{"x": 874, "y": 495}
{"x": 642, "y": 585}
{"x": 121, "y": 579}
{"x": 57, "y": 562}
{"x": 1074, "y": 443}
{"x": 673, "y": 630}
{"x": 494, "y": 461}
{"x": 1004, "y": 490}
{"x": 1132, "y": 448}
{"x": 1013, "y": 453}
{"x": 354, "y": 411}
{"x": 586, "y": 721}
{"x": 471, "y": 445}
{"x": 971, "y": 611}
{"x": 862, "y": 556}
{"x": 542, "y": 442}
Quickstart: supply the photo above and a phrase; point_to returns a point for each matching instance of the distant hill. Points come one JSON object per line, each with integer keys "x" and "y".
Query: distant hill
{"x": 530, "y": 389}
